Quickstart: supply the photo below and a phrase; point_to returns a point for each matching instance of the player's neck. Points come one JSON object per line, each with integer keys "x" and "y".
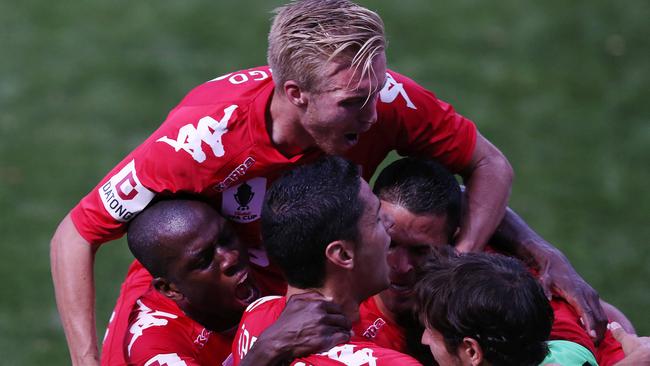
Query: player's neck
{"x": 284, "y": 127}
{"x": 349, "y": 304}
{"x": 384, "y": 309}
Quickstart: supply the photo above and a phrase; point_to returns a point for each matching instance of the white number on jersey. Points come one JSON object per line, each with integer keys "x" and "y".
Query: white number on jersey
{"x": 238, "y": 78}
{"x": 209, "y": 131}
{"x": 392, "y": 89}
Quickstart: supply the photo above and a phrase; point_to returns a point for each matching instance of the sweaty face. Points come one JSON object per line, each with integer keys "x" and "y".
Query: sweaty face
{"x": 435, "y": 341}
{"x": 370, "y": 264}
{"x": 212, "y": 273}
{"x": 344, "y": 106}
{"x": 412, "y": 236}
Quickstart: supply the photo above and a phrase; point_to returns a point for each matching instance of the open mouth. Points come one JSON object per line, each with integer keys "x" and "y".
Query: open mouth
{"x": 403, "y": 288}
{"x": 245, "y": 291}
{"x": 352, "y": 138}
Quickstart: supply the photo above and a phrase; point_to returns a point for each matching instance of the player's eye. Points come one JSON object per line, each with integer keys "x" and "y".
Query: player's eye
{"x": 352, "y": 102}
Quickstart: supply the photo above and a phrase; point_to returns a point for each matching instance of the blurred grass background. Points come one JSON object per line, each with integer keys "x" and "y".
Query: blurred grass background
{"x": 563, "y": 88}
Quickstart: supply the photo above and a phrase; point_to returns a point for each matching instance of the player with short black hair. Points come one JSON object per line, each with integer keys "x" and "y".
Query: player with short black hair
{"x": 349, "y": 266}
{"x": 302, "y": 214}
{"x": 200, "y": 289}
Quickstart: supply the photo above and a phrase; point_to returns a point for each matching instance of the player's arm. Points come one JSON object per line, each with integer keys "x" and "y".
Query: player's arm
{"x": 308, "y": 324}
{"x": 72, "y": 259}
{"x": 488, "y": 179}
{"x": 555, "y": 271}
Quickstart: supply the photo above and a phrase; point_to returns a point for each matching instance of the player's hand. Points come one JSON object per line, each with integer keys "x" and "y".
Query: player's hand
{"x": 308, "y": 324}
{"x": 637, "y": 349}
{"x": 557, "y": 275}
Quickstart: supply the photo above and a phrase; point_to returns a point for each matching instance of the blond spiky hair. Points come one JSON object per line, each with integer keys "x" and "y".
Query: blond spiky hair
{"x": 307, "y": 34}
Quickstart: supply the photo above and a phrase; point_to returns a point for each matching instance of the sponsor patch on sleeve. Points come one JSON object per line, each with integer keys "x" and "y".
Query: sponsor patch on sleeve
{"x": 123, "y": 195}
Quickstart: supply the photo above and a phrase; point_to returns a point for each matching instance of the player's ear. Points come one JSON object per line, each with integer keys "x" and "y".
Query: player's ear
{"x": 295, "y": 94}
{"x": 167, "y": 288}
{"x": 340, "y": 253}
{"x": 471, "y": 351}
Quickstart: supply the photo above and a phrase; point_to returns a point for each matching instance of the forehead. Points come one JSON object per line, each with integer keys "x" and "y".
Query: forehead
{"x": 341, "y": 77}
{"x": 209, "y": 230}
{"x": 411, "y": 229}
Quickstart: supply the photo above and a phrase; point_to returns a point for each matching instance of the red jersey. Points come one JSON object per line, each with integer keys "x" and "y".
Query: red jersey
{"x": 160, "y": 332}
{"x": 567, "y": 326}
{"x": 378, "y": 328}
{"x": 358, "y": 351}
{"x": 215, "y": 144}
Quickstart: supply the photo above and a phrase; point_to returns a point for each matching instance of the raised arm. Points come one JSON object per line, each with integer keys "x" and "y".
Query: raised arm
{"x": 72, "y": 260}
{"x": 555, "y": 272}
{"x": 488, "y": 179}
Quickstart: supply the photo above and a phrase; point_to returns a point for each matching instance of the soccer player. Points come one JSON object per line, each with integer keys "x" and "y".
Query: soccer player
{"x": 322, "y": 225}
{"x": 200, "y": 289}
{"x": 326, "y": 90}
{"x": 424, "y": 201}
{"x": 484, "y": 309}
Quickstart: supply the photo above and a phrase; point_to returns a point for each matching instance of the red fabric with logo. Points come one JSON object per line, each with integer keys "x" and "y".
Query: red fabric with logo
{"x": 215, "y": 144}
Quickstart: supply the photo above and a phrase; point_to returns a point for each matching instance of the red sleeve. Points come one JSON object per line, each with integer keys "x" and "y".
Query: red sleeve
{"x": 423, "y": 125}
{"x": 179, "y": 157}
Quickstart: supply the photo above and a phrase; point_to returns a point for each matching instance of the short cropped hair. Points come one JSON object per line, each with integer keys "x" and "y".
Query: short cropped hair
{"x": 161, "y": 226}
{"x": 305, "y": 210}
{"x": 422, "y": 186}
{"x": 490, "y": 298}
{"x": 307, "y": 34}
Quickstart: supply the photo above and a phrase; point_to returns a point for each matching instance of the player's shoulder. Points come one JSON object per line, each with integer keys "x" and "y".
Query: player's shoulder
{"x": 403, "y": 94}
{"x": 236, "y": 86}
{"x": 157, "y": 328}
{"x": 264, "y": 304}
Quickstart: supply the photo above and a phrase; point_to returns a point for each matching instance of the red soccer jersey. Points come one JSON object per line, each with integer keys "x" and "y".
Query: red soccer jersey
{"x": 567, "y": 326}
{"x": 215, "y": 144}
{"x": 378, "y": 328}
{"x": 265, "y": 311}
{"x": 161, "y": 334}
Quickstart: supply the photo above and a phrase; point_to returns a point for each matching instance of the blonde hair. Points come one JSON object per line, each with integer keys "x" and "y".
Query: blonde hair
{"x": 307, "y": 34}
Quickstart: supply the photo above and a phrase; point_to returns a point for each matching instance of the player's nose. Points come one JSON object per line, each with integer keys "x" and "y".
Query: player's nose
{"x": 229, "y": 260}
{"x": 398, "y": 260}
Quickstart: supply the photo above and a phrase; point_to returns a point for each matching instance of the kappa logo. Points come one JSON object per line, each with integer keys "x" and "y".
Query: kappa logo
{"x": 166, "y": 359}
{"x": 243, "y": 203}
{"x": 146, "y": 319}
{"x": 234, "y": 176}
{"x": 347, "y": 355}
{"x": 209, "y": 130}
{"x": 123, "y": 195}
{"x": 392, "y": 89}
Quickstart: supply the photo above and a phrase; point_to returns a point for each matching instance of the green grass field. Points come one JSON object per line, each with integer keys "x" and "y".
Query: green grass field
{"x": 561, "y": 87}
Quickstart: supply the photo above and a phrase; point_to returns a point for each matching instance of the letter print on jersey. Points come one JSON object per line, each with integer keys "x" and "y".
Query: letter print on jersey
{"x": 123, "y": 195}
{"x": 209, "y": 130}
{"x": 243, "y": 203}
